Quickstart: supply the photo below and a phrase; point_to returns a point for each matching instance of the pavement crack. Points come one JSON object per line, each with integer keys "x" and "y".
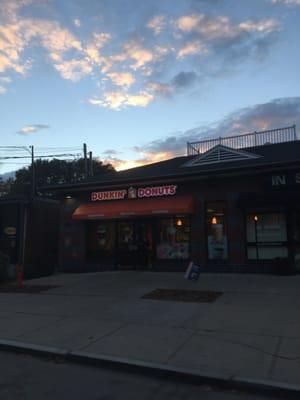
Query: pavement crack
{"x": 250, "y": 346}
{"x": 274, "y": 358}
{"x": 103, "y": 336}
{"x": 181, "y": 346}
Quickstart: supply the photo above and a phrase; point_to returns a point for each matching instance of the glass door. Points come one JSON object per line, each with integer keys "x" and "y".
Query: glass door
{"x": 126, "y": 246}
{"x": 134, "y": 244}
{"x": 143, "y": 239}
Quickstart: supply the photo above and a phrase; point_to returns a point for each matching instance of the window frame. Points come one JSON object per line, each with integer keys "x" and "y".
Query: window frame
{"x": 226, "y": 230}
{"x": 157, "y": 233}
{"x": 261, "y": 244}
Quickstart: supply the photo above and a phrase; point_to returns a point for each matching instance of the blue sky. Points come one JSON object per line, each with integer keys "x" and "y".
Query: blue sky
{"x": 136, "y": 80}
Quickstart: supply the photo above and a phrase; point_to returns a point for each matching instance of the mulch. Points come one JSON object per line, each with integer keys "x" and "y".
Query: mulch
{"x": 193, "y": 296}
{"x": 26, "y": 288}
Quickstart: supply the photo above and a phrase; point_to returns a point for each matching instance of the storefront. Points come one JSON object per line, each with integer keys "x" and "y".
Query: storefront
{"x": 29, "y": 234}
{"x": 226, "y": 209}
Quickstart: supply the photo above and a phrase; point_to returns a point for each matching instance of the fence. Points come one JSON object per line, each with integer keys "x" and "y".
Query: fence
{"x": 253, "y": 139}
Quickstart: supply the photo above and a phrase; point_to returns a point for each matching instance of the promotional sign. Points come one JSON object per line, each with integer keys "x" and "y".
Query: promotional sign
{"x": 10, "y": 231}
{"x": 134, "y": 193}
{"x": 192, "y": 272}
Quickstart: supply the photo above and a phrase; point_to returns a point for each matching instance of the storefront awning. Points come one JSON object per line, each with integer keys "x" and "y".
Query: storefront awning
{"x": 128, "y": 208}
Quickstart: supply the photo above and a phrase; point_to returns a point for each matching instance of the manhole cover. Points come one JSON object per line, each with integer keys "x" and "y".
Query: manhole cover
{"x": 194, "y": 296}
{"x": 26, "y": 288}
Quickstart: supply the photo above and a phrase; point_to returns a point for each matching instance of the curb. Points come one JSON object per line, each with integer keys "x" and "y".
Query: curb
{"x": 184, "y": 375}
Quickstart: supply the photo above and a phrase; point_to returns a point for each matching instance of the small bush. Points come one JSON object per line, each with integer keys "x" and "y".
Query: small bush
{"x": 4, "y": 262}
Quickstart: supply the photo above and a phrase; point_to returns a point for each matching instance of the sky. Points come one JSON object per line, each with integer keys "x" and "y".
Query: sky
{"x": 136, "y": 80}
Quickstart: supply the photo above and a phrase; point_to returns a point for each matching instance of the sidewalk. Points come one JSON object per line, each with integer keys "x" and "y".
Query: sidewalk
{"x": 251, "y": 332}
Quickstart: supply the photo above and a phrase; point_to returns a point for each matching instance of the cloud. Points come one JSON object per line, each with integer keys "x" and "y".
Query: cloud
{"x": 73, "y": 69}
{"x": 161, "y": 56}
{"x": 9, "y": 8}
{"x": 157, "y": 24}
{"x": 4, "y": 80}
{"x": 17, "y": 36}
{"x": 121, "y": 164}
{"x": 287, "y": 2}
{"x": 180, "y": 81}
{"x": 111, "y": 152}
{"x": 32, "y": 129}
{"x": 192, "y": 48}
{"x": 274, "y": 114}
{"x": 120, "y": 100}
{"x": 121, "y": 78}
{"x": 184, "y": 79}
{"x": 218, "y": 27}
{"x": 138, "y": 53}
{"x": 161, "y": 89}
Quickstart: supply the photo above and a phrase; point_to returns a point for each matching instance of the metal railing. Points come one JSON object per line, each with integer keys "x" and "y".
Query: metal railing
{"x": 253, "y": 139}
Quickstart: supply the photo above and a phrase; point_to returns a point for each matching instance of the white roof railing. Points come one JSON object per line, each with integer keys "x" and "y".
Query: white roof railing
{"x": 253, "y": 139}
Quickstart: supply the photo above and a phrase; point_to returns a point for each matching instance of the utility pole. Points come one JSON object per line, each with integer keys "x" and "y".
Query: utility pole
{"x": 32, "y": 172}
{"x": 85, "y": 160}
{"x": 91, "y": 163}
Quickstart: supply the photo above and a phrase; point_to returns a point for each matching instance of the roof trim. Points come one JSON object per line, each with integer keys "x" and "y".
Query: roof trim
{"x": 220, "y": 154}
{"x": 190, "y": 176}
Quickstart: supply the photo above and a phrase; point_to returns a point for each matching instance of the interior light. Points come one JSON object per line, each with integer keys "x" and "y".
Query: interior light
{"x": 68, "y": 197}
{"x": 255, "y": 218}
{"x": 214, "y": 220}
{"x": 179, "y": 222}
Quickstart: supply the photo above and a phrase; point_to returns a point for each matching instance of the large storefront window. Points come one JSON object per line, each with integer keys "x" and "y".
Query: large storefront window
{"x": 100, "y": 238}
{"x": 266, "y": 236}
{"x": 173, "y": 238}
{"x": 126, "y": 233}
{"x": 216, "y": 231}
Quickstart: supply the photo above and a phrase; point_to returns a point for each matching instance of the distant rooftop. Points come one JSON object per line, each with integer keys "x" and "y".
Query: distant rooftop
{"x": 253, "y": 139}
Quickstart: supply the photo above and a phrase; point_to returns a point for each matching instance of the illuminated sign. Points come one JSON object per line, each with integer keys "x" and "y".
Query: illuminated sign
{"x": 157, "y": 191}
{"x": 133, "y": 193}
{"x": 110, "y": 195}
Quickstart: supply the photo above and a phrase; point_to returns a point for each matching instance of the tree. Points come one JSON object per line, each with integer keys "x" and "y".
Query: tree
{"x": 52, "y": 172}
{"x": 5, "y": 186}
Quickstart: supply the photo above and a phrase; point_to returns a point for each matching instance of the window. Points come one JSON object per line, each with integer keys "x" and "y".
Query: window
{"x": 125, "y": 233}
{"x": 173, "y": 238}
{"x": 266, "y": 236}
{"x": 100, "y": 238}
{"x": 295, "y": 236}
{"x": 216, "y": 231}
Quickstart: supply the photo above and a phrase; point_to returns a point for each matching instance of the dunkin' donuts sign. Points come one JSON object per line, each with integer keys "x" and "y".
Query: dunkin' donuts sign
{"x": 134, "y": 193}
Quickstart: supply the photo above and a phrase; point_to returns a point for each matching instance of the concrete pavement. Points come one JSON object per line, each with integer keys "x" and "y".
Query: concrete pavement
{"x": 28, "y": 378}
{"x": 251, "y": 332}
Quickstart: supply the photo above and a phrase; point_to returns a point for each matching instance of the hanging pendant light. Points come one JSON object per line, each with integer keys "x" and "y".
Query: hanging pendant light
{"x": 179, "y": 222}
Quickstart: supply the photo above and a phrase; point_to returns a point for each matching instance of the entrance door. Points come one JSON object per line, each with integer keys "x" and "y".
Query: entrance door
{"x": 134, "y": 244}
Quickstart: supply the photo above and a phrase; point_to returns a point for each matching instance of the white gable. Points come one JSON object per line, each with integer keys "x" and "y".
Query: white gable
{"x": 219, "y": 154}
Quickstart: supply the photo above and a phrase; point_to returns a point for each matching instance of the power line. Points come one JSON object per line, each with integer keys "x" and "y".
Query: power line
{"x": 37, "y": 156}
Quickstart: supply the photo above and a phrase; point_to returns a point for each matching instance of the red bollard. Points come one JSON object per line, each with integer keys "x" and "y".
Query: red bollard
{"x": 19, "y": 272}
